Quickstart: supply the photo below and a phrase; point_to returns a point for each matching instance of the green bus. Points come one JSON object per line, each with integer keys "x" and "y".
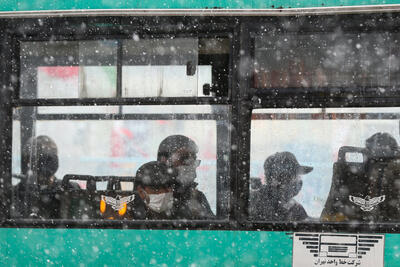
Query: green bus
{"x": 293, "y": 108}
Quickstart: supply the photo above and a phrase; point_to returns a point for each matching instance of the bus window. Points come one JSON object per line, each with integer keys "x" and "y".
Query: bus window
{"x": 333, "y": 164}
{"x": 334, "y": 59}
{"x": 91, "y": 146}
{"x": 174, "y": 67}
{"x": 152, "y": 67}
{"x": 68, "y": 69}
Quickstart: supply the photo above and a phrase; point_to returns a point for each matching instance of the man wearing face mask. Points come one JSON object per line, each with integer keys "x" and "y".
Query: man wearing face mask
{"x": 274, "y": 201}
{"x": 153, "y": 185}
{"x": 179, "y": 153}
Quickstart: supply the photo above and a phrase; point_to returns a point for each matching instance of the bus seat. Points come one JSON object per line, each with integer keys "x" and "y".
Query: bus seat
{"x": 76, "y": 202}
{"x": 85, "y": 203}
{"x": 117, "y": 200}
{"x": 348, "y": 177}
{"x": 362, "y": 190}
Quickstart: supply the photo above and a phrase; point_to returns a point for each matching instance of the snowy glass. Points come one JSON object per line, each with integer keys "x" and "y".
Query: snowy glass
{"x": 336, "y": 59}
{"x": 68, "y": 69}
{"x": 95, "y": 143}
{"x": 355, "y": 158}
{"x": 170, "y": 67}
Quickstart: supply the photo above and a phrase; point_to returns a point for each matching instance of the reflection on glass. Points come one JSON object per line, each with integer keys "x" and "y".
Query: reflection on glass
{"x": 68, "y": 69}
{"x": 174, "y": 67}
{"x": 163, "y": 81}
{"x": 354, "y": 156}
{"x": 326, "y": 60}
{"x": 159, "y": 67}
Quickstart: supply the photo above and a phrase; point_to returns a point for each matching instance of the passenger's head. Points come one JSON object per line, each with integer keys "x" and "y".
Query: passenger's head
{"x": 154, "y": 185}
{"x": 42, "y": 157}
{"x": 382, "y": 145}
{"x": 283, "y": 174}
{"x": 179, "y": 153}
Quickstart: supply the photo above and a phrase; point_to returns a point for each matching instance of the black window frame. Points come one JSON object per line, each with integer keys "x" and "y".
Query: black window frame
{"x": 52, "y": 29}
{"x": 242, "y": 98}
{"x": 308, "y": 97}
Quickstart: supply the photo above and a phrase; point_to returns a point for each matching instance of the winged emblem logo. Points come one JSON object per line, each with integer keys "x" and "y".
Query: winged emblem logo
{"x": 367, "y": 203}
{"x": 118, "y": 202}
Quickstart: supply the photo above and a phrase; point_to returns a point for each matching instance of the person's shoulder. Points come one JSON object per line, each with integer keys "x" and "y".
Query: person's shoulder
{"x": 297, "y": 212}
{"x": 199, "y": 194}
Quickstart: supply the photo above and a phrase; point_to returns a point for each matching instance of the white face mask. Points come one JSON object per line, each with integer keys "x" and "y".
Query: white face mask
{"x": 186, "y": 174}
{"x": 161, "y": 202}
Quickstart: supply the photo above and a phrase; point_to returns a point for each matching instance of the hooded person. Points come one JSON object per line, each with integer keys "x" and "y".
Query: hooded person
{"x": 154, "y": 185}
{"x": 383, "y": 165}
{"x": 382, "y": 146}
{"x": 383, "y": 179}
{"x": 274, "y": 201}
{"x": 179, "y": 153}
{"x": 39, "y": 194}
{"x": 41, "y": 155}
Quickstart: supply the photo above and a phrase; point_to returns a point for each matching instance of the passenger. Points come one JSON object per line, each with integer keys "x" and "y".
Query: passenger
{"x": 274, "y": 201}
{"x": 384, "y": 176}
{"x": 39, "y": 194}
{"x": 153, "y": 185}
{"x": 179, "y": 153}
{"x": 382, "y": 146}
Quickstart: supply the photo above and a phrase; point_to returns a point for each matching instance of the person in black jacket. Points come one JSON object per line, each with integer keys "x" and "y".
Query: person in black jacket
{"x": 39, "y": 194}
{"x": 274, "y": 200}
{"x": 179, "y": 153}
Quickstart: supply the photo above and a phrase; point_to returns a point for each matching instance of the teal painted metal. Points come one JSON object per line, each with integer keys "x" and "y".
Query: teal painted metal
{"x": 29, "y": 5}
{"x": 111, "y": 247}
{"x": 392, "y": 250}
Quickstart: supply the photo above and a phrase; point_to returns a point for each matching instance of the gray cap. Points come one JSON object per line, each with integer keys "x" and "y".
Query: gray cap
{"x": 382, "y": 145}
{"x": 155, "y": 174}
{"x": 283, "y": 166}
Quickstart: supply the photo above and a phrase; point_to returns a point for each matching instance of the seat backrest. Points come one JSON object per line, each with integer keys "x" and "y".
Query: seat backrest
{"x": 349, "y": 178}
{"x": 84, "y": 202}
{"x": 362, "y": 191}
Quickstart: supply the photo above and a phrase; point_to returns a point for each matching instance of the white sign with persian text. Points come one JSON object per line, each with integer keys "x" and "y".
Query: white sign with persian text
{"x": 332, "y": 250}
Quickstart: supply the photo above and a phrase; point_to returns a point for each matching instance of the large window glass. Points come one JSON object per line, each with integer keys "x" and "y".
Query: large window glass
{"x": 336, "y": 59}
{"x": 330, "y": 165}
{"x": 59, "y": 151}
{"x": 175, "y": 67}
{"x": 68, "y": 69}
{"x": 149, "y": 67}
